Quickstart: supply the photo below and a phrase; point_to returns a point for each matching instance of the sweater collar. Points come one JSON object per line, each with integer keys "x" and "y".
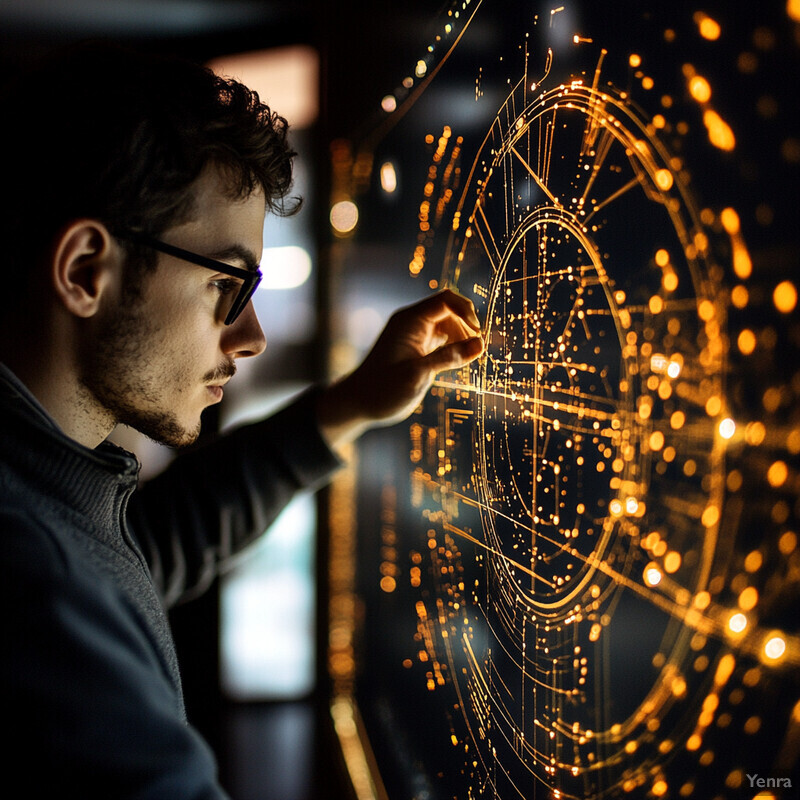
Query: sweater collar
{"x": 92, "y": 482}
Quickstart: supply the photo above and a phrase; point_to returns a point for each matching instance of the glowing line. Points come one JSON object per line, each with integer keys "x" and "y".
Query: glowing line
{"x": 665, "y": 604}
{"x": 476, "y": 666}
{"x": 575, "y": 410}
{"x": 530, "y": 676}
{"x": 381, "y": 130}
{"x": 600, "y": 156}
{"x": 492, "y": 258}
{"x": 484, "y": 507}
{"x": 469, "y": 537}
{"x": 549, "y": 133}
{"x": 538, "y": 180}
{"x": 489, "y": 229}
{"x": 457, "y": 686}
{"x": 538, "y": 277}
{"x": 626, "y": 188}
{"x": 498, "y": 704}
{"x": 590, "y": 132}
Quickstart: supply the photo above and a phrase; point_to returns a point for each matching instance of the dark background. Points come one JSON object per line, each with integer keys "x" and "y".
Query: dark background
{"x": 366, "y": 51}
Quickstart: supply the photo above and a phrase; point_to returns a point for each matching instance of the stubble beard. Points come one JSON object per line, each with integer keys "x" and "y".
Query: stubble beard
{"x": 116, "y": 371}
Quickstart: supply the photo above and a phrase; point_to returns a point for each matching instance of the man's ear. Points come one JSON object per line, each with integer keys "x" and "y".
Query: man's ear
{"x": 84, "y": 264}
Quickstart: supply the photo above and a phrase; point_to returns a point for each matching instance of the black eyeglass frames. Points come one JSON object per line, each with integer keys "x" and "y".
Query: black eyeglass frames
{"x": 250, "y": 278}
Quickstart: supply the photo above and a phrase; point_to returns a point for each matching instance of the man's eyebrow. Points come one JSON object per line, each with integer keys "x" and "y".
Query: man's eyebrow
{"x": 237, "y": 253}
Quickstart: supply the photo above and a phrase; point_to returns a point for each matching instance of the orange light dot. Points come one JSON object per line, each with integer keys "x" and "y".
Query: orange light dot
{"x": 719, "y": 132}
{"x": 737, "y": 623}
{"x": 727, "y": 427}
{"x": 710, "y": 516}
{"x": 753, "y": 561}
{"x": 678, "y": 686}
{"x": 734, "y": 480}
{"x": 711, "y": 703}
{"x": 660, "y": 788}
{"x": 713, "y": 405}
{"x": 772, "y": 398}
{"x": 748, "y": 598}
{"x": 746, "y": 342}
{"x": 670, "y": 281}
{"x": 793, "y": 9}
{"x": 752, "y": 725}
{"x": 662, "y": 257}
{"x": 702, "y": 600}
{"x": 672, "y": 561}
{"x": 344, "y": 216}
{"x": 705, "y": 310}
{"x": 709, "y": 29}
{"x": 652, "y": 575}
{"x": 787, "y": 543}
{"x": 730, "y": 221}
{"x": 694, "y": 742}
{"x": 742, "y": 263}
{"x": 664, "y": 179}
{"x": 740, "y": 297}
{"x": 775, "y": 647}
{"x": 700, "y": 241}
{"x": 388, "y": 177}
{"x": 777, "y": 474}
{"x": 635, "y": 60}
{"x": 785, "y": 297}
{"x": 724, "y": 669}
{"x": 700, "y": 89}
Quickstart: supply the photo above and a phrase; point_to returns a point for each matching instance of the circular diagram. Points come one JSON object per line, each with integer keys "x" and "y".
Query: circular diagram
{"x": 541, "y": 400}
{"x": 580, "y": 462}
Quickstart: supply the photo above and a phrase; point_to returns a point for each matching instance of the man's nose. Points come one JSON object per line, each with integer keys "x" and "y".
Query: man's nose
{"x": 244, "y": 337}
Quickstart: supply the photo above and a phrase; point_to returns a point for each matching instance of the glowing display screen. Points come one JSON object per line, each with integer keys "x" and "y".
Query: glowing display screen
{"x": 575, "y": 572}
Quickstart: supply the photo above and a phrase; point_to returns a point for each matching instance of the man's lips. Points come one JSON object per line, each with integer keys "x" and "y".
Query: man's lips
{"x": 216, "y": 380}
{"x": 216, "y": 389}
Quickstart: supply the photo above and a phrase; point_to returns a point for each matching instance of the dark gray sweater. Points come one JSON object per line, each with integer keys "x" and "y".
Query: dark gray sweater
{"x": 91, "y": 692}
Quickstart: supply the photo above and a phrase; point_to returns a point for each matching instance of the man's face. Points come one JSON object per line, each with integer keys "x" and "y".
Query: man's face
{"x": 157, "y": 362}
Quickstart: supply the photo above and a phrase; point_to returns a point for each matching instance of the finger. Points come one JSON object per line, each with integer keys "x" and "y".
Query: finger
{"x": 454, "y": 355}
{"x": 462, "y": 306}
{"x": 439, "y": 306}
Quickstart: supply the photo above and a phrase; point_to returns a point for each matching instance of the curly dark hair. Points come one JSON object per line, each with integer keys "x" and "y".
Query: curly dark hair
{"x": 104, "y": 132}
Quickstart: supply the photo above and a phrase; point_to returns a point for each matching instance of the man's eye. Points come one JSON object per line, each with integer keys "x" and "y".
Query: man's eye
{"x": 227, "y": 285}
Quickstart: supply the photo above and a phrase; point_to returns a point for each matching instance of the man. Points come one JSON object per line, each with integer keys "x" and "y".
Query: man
{"x": 138, "y": 188}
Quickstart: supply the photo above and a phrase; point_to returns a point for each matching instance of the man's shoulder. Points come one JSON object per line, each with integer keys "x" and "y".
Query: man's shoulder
{"x": 28, "y": 545}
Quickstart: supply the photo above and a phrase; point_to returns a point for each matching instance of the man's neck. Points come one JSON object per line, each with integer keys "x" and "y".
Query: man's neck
{"x": 52, "y": 379}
